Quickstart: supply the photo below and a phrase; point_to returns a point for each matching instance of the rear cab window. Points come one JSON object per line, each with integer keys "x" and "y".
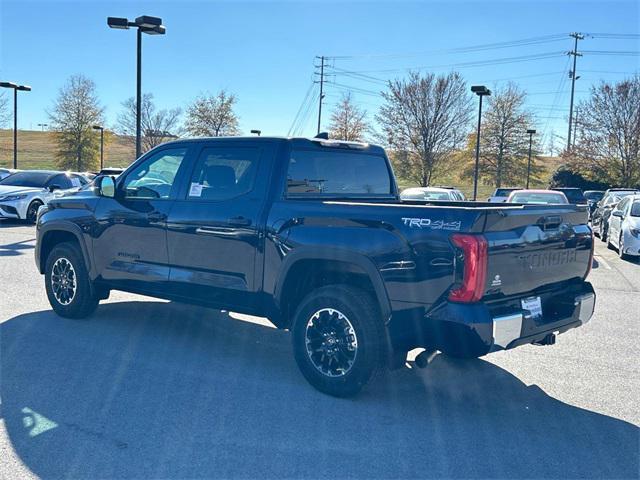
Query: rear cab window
{"x": 336, "y": 173}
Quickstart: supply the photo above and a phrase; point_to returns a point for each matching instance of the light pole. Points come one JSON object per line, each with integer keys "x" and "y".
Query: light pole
{"x": 150, "y": 26}
{"x": 481, "y": 91}
{"x": 22, "y": 88}
{"x": 530, "y": 132}
{"x": 101, "y": 128}
{"x": 256, "y": 132}
{"x": 42, "y": 125}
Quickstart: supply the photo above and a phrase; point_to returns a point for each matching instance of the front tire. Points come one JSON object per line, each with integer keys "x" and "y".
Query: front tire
{"x": 32, "y": 211}
{"x": 338, "y": 339}
{"x": 621, "y": 254}
{"x": 69, "y": 290}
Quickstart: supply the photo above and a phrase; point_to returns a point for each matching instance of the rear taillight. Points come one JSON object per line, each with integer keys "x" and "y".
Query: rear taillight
{"x": 474, "y": 276}
{"x": 590, "y": 257}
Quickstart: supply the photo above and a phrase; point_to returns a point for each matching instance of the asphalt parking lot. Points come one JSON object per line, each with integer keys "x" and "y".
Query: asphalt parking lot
{"x": 151, "y": 389}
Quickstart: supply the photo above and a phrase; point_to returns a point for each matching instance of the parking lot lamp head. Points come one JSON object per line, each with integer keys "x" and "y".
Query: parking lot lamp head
{"x": 150, "y": 26}
{"x": 118, "y": 22}
{"x": 8, "y": 85}
{"x": 23, "y": 88}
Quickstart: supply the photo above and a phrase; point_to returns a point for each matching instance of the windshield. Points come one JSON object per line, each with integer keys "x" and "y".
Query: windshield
{"x": 635, "y": 209}
{"x": 503, "y": 192}
{"x": 27, "y": 179}
{"x": 538, "y": 198}
{"x": 594, "y": 196}
{"x": 573, "y": 195}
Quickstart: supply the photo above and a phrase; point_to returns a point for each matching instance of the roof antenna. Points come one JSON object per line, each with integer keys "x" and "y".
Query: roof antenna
{"x": 322, "y": 136}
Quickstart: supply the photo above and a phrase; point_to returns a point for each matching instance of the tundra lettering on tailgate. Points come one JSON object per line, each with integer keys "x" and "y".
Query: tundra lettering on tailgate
{"x": 536, "y": 261}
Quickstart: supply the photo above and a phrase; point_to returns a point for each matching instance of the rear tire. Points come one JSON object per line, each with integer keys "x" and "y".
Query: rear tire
{"x": 338, "y": 339}
{"x": 70, "y": 292}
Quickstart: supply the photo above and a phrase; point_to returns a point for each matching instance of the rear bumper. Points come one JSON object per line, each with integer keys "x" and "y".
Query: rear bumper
{"x": 480, "y": 328}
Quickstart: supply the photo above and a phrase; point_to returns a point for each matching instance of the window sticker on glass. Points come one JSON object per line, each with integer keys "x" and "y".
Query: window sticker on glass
{"x": 195, "y": 190}
{"x": 75, "y": 181}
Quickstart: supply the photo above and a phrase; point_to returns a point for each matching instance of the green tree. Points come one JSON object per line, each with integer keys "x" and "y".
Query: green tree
{"x": 212, "y": 116}
{"x": 157, "y": 125}
{"x": 348, "y": 121}
{"x": 423, "y": 121}
{"x": 74, "y": 112}
{"x": 504, "y": 142}
{"x": 608, "y": 134}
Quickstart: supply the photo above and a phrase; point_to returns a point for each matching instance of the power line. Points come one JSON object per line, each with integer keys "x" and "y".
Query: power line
{"x": 476, "y": 63}
{"x": 297, "y": 117}
{"x": 469, "y": 49}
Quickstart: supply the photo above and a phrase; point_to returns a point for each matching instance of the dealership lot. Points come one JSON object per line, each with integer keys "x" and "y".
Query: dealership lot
{"x": 147, "y": 388}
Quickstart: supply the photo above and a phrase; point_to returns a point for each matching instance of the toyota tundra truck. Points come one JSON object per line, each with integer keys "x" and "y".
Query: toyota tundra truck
{"x": 312, "y": 234}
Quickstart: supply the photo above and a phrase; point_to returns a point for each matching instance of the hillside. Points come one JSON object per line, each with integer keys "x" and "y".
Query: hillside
{"x": 36, "y": 149}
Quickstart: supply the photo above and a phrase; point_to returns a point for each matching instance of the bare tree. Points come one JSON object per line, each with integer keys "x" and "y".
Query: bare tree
{"x": 348, "y": 121}
{"x": 504, "y": 142}
{"x": 74, "y": 112}
{"x": 157, "y": 126}
{"x": 4, "y": 110}
{"x": 608, "y": 143}
{"x": 423, "y": 120}
{"x": 212, "y": 116}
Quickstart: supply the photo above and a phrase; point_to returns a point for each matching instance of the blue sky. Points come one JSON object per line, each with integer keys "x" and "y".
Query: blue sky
{"x": 264, "y": 51}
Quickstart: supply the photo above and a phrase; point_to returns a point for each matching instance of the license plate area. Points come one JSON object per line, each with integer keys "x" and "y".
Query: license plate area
{"x": 532, "y": 307}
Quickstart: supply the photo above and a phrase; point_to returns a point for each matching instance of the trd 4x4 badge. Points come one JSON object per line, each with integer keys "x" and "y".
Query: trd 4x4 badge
{"x": 432, "y": 224}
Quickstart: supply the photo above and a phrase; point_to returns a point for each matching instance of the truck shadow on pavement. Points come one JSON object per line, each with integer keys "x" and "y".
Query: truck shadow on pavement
{"x": 161, "y": 390}
{"x": 16, "y": 248}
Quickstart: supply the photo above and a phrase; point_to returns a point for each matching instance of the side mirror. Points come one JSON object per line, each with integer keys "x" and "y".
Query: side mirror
{"x": 106, "y": 186}
{"x": 54, "y": 187}
{"x": 617, "y": 213}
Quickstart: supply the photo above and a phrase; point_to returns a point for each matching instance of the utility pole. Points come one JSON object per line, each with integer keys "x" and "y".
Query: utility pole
{"x": 575, "y": 128}
{"x": 321, "y": 91}
{"x": 574, "y": 52}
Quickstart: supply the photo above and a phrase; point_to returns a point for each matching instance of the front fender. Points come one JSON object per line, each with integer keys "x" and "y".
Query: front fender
{"x": 43, "y": 232}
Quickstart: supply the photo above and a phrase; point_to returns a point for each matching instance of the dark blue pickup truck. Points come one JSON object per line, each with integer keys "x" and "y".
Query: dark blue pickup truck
{"x": 311, "y": 234}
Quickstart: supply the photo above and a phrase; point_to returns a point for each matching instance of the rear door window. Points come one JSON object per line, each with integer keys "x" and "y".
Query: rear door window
{"x": 223, "y": 173}
{"x": 326, "y": 172}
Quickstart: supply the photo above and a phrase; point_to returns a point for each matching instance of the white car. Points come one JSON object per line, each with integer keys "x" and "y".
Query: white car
{"x": 431, "y": 194}
{"x": 5, "y": 172}
{"x": 624, "y": 227}
{"x": 22, "y": 193}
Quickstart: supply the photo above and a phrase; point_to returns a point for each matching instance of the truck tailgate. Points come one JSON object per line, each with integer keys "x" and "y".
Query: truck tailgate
{"x": 535, "y": 246}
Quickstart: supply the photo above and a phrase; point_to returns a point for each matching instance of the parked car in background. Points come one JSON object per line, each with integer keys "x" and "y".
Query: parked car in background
{"x": 593, "y": 197}
{"x": 114, "y": 171}
{"x": 539, "y": 197}
{"x": 443, "y": 194}
{"x": 574, "y": 195}
{"x": 22, "y": 193}
{"x": 501, "y": 194}
{"x": 624, "y": 227}
{"x": 600, "y": 217}
{"x": 5, "y": 172}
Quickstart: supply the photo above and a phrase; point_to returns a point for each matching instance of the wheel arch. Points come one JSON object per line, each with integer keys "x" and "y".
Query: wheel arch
{"x": 54, "y": 234}
{"x": 309, "y": 268}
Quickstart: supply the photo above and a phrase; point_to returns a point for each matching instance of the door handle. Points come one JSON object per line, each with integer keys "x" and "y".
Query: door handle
{"x": 239, "y": 221}
{"x": 156, "y": 217}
